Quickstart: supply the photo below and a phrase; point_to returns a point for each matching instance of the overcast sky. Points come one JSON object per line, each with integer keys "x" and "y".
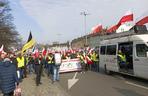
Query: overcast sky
{"x": 60, "y": 20}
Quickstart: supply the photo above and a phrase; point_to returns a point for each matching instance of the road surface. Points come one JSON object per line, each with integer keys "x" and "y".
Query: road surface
{"x": 99, "y": 84}
{"x": 88, "y": 84}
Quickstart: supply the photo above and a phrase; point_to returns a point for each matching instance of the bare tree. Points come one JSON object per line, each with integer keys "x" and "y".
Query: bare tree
{"x": 8, "y": 35}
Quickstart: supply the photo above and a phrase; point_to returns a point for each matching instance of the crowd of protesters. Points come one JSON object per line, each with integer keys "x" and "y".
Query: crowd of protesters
{"x": 88, "y": 57}
{"x": 15, "y": 67}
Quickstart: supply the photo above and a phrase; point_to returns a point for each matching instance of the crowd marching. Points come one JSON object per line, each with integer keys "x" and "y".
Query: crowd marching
{"x": 14, "y": 67}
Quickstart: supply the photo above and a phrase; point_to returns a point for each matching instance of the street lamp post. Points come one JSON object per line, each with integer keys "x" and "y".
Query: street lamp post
{"x": 85, "y": 14}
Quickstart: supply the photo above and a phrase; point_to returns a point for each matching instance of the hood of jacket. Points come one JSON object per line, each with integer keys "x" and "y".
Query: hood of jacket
{"x": 6, "y": 62}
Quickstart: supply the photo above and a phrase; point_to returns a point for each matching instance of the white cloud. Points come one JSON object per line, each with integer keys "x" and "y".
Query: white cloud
{"x": 63, "y": 16}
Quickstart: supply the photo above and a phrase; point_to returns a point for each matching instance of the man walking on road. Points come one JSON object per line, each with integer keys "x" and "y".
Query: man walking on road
{"x": 38, "y": 69}
{"x": 20, "y": 66}
{"x": 56, "y": 66}
{"x": 95, "y": 59}
{"x": 50, "y": 62}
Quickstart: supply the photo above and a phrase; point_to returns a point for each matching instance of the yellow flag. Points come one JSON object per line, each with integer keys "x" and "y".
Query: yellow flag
{"x": 29, "y": 43}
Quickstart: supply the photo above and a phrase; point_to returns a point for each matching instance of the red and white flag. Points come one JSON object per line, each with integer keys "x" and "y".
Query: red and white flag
{"x": 96, "y": 29}
{"x": 35, "y": 52}
{"x": 88, "y": 48}
{"x": 112, "y": 29}
{"x": 44, "y": 51}
{"x": 88, "y": 60}
{"x": 126, "y": 18}
{"x": 125, "y": 27}
{"x": 1, "y": 49}
{"x": 126, "y": 22}
{"x": 143, "y": 19}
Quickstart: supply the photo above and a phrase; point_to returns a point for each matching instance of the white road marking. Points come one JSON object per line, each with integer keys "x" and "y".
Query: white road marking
{"x": 140, "y": 86}
{"x": 72, "y": 81}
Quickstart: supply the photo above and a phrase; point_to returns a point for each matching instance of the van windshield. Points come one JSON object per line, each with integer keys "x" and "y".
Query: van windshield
{"x": 141, "y": 50}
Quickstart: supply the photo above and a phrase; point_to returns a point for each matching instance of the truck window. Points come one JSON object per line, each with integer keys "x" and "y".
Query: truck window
{"x": 141, "y": 50}
{"x": 111, "y": 50}
{"x": 102, "y": 50}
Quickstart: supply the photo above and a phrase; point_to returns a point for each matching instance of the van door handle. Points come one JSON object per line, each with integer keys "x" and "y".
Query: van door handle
{"x": 136, "y": 59}
{"x": 115, "y": 58}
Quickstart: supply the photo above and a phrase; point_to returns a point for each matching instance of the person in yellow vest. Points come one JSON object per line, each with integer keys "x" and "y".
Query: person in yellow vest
{"x": 20, "y": 66}
{"x": 50, "y": 62}
{"x": 95, "y": 59}
{"x": 85, "y": 63}
{"x": 122, "y": 60}
{"x": 81, "y": 58}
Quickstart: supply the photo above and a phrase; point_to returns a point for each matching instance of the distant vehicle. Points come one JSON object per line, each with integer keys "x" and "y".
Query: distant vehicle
{"x": 135, "y": 47}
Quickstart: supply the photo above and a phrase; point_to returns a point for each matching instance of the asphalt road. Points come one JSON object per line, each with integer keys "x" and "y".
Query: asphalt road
{"x": 29, "y": 87}
{"x": 99, "y": 84}
{"x": 89, "y": 84}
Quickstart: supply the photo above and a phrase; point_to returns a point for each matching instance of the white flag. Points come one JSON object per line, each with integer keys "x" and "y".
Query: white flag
{"x": 2, "y": 47}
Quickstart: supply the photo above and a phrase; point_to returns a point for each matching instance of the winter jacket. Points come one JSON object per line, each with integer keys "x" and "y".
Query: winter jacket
{"x": 8, "y": 76}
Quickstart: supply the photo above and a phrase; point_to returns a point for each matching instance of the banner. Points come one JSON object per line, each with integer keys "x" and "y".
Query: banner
{"x": 70, "y": 65}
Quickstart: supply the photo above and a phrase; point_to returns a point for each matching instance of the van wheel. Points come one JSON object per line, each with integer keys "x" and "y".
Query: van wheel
{"x": 107, "y": 71}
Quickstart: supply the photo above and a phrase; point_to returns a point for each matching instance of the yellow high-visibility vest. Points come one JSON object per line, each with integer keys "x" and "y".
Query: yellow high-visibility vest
{"x": 21, "y": 62}
{"x": 49, "y": 59}
{"x": 94, "y": 57}
{"x": 123, "y": 57}
{"x": 82, "y": 58}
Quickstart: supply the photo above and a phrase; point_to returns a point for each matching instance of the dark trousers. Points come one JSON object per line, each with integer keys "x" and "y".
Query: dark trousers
{"x": 8, "y": 94}
{"x": 38, "y": 74}
{"x": 42, "y": 70}
{"x": 21, "y": 73}
{"x": 50, "y": 69}
{"x": 83, "y": 66}
{"x": 95, "y": 66}
{"x": 25, "y": 71}
{"x": 87, "y": 67}
{"x": 30, "y": 68}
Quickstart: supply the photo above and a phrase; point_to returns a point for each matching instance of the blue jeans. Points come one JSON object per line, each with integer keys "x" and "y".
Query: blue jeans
{"x": 21, "y": 73}
{"x": 56, "y": 73}
{"x": 50, "y": 69}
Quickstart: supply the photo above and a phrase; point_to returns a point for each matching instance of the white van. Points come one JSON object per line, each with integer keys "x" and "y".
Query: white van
{"x": 135, "y": 47}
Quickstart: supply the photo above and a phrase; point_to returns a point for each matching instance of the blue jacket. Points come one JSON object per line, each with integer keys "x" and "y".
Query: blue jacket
{"x": 8, "y": 76}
